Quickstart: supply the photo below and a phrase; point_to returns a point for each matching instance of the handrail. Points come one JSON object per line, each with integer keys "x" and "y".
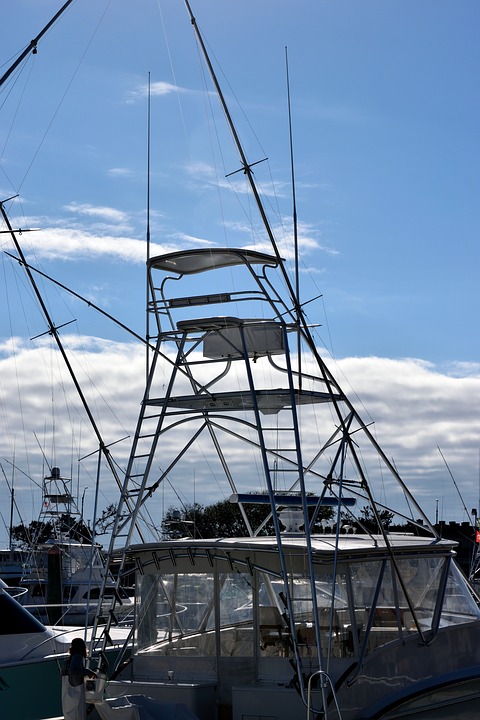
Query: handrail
{"x": 326, "y": 681}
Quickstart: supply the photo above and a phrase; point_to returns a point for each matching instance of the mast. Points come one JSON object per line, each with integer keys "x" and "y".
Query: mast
{"x": 12, "y": 505}
{"x": 147, "y": 287}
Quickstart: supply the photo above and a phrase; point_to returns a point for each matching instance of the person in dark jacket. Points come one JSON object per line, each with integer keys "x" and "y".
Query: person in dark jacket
{"x": 73, "y": 685}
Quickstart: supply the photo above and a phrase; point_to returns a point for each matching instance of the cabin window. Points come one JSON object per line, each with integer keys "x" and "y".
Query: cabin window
{"x": 236, "y": 614}
{"x": 176, "y": 613}
{"x": 382, "y": 611}
{"x": 459, "y": 604}
{"x": 333, "y": 618}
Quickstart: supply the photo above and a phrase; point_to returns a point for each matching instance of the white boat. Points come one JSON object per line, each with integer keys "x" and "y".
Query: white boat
{"x": 31, "y": 658}
{"x": 328, "y": 617}
{"x": 62, "y": 577}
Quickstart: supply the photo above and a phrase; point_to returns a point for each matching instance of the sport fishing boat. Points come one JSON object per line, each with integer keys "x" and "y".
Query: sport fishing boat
{"x": 338, "y": 599}
{"x": 339, "y": 602}
{"x": 62, "y": 576}
{"x": 332, "y": 613}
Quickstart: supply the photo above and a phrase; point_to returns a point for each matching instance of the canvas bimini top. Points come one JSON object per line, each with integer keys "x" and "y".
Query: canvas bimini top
{"x": 188, "y": 262}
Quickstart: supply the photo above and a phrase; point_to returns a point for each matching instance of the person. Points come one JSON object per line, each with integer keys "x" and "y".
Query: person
{"x": 73, "y": 685}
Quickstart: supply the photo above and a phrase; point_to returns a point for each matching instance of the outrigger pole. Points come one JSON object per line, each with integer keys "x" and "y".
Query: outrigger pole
{"x": 53, "y": 330}
{"x": 32, "y": 46}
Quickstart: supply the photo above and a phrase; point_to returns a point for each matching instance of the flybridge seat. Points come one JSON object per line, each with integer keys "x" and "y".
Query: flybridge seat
{"x": 229, "y": 337}
{"x": 222, "y": 322}
{"x": 182, "y": 265}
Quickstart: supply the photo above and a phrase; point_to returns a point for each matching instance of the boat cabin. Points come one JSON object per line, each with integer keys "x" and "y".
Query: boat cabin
{"x": 213, "y": 618}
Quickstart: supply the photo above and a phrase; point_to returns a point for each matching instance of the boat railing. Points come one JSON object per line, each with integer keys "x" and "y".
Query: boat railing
{"x": 16, "y": 592}
{"x": 125, "y": 619}
{"x": 326, "y": 683}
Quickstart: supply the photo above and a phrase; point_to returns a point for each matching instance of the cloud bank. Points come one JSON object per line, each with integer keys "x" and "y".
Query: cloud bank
{"x": 415, "y": 407}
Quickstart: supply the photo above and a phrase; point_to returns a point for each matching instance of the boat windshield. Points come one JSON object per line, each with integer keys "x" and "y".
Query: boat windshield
{"x": 359, "y": 606}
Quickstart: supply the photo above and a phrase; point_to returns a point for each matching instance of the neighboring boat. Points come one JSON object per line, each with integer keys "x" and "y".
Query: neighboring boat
{"x": 31, "y": 658}
{"x": 62, "y": 577}
{"x": 12, "y": 565}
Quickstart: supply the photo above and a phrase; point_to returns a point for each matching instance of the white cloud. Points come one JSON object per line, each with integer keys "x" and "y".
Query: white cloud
{"x": 120, "y": 172}
{"x": 415, "y": 407}
{"x": 190, "y": 240}
{"x": 72, "y": 244}
{"x": 108, "y": 213}
{"x": 157, "y": 89}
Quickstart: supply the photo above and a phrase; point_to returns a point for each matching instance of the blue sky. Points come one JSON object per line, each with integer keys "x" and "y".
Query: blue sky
{"x": 386, "y": 119}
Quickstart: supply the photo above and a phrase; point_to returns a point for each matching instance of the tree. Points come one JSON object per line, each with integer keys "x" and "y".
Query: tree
{"x": 69, "y": 525}
{"x": 34, "y": 533}
{"x": 222, "y": 519}
{"x": 38, "y": 531}
{"x": 106, "y": 519}
{"x": 369, "y": 521}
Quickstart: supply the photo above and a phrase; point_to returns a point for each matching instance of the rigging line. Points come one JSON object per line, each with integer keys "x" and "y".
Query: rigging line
{"x": 237, "y": 194}
{"x": 74, "y": 378}
{"x": 148, "y": 167}
{"x": 454, "y": 482}
{"x": 294, "y": 198}
{"x": 42, "y": 451}
{"x": 15, "y": 115}
{"x": 209, "y": 114}
{"x": 15, "y": 355}
{"x": 23, "y": 262}
{"x": 175, "y": 87}
{"x": 79, "y": 297}
{"x": 246, "y": 166}
{"x": 148, "y": 290}
{"x": 238, "y": 103}
{"x": 18, "y": 469}
{"x": 14, "y": 503}
{"x": 69, "y": 84}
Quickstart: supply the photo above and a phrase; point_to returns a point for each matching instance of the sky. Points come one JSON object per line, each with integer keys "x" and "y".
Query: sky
{"x": 385, "y": 107}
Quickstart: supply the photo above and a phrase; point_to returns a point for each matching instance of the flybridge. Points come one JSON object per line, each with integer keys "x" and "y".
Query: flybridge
{"x": 290, "y": 500}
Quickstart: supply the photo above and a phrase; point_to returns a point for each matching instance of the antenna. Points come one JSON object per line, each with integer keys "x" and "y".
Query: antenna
{"x": 12, "y": 504}
{"x": 454, "y": 482}
{"x": 295, "y": 227}
{"x": 294, "y": 199}
{"x": 147, "y": 289}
